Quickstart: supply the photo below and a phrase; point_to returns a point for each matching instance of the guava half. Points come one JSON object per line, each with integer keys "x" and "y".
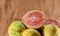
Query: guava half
{"x": 33, "y": 19}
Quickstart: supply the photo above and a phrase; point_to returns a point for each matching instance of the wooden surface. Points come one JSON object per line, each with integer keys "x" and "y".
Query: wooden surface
{"x": 11, "y": 10}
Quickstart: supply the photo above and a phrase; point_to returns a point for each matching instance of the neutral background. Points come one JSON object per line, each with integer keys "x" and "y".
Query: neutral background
{"x": 11, "y": 10}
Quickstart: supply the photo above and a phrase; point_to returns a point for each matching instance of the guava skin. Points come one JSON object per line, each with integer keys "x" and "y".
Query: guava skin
{"x": 16, "y": 28}
{"x": 31, "y": 32}
{"x": 58, "y": 31}
{"x": 49, "y": 30}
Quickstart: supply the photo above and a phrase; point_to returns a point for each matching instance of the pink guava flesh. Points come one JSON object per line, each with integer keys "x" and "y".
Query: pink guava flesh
{"x": 33, "y": 19}
{"x": 51, "y": 21}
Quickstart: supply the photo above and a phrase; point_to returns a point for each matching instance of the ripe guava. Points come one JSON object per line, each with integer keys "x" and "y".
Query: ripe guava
{"x": 33, "y": 19}
{"x": 51, "y": 21}
{"x": 58, "y": 31}
{"x": 49, "y": 30}
{"x": 31, "y": 32}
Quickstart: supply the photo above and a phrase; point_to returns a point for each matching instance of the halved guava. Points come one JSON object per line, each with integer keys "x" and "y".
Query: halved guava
{"x": 33, "y": 19}
{"x": 52, "y": 21}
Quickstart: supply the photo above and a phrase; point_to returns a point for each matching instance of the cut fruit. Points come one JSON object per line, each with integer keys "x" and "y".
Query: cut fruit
{"x": 33, "y": 19}
{"x": 31, "y": 32}
{"x": 51, "y": 21}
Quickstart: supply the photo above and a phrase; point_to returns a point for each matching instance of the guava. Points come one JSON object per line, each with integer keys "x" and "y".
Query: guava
{"x": 31, "y": 32}
{"x": 58, "y": 31}
{"x": 16, "y": 28}
{"x": 33, "y": 19}
{"x": 51, "y": 21}
{"x": 49, "y": 30}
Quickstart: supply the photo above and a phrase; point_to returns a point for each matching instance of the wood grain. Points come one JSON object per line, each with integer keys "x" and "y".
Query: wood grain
{"x": 11, "y": 10}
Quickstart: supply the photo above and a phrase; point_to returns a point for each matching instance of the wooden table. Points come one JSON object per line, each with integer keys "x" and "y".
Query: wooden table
{"x": 11, "y": 10}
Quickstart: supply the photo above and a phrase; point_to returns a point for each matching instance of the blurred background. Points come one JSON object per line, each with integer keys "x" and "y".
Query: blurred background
{"x": 11, "y": 10}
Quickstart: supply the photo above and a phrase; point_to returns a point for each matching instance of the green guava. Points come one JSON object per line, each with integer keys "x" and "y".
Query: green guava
{"x": 16, "y": 28}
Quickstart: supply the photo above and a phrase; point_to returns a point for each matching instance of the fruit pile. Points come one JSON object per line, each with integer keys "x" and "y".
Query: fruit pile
{"x": 33, "y": 23}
